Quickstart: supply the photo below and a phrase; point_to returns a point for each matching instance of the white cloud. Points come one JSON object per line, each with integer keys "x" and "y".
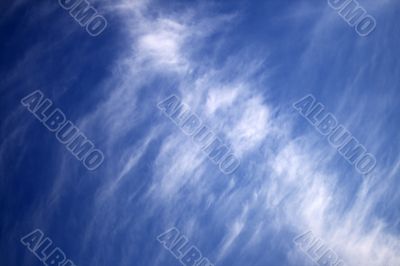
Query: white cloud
{"x": 162, "y": 44}
{"x": 297, "y": 185}
{"x": 221, "y": 98}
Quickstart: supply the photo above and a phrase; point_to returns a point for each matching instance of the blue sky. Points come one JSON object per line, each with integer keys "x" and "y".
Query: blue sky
{"x": 239, "y": 65}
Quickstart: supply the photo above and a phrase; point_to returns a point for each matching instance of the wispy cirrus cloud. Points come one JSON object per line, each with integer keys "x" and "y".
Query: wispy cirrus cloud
{"x": 294, "y": 189}
{"x": 154, "y": 170}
